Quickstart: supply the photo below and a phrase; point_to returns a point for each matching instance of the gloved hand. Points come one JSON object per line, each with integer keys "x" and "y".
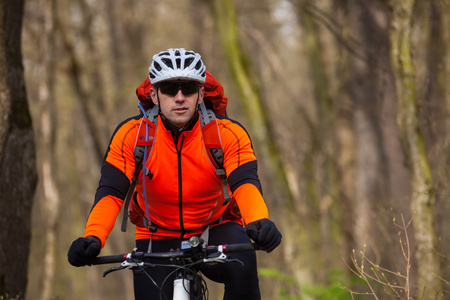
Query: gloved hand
{"x": 83, "y": 250}
{"x": 264, "y": 233}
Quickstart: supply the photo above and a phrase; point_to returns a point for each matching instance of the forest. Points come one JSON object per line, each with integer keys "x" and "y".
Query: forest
{"x": 346, "y": 101}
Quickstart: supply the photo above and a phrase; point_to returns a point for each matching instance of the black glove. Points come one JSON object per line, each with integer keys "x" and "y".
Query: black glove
{"x": 83, "y": 250}
{"x": 264, "y": 233}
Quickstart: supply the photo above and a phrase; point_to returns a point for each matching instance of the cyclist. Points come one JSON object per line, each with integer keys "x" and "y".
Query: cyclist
{"x": 178, "y": 186}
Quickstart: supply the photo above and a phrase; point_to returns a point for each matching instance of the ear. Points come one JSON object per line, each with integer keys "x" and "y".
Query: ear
{"x": 154, "y": 95}
{"x": 201, "y": 95}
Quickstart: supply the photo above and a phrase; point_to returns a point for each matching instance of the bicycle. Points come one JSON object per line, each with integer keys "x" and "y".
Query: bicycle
{"x": 189, "y": 283}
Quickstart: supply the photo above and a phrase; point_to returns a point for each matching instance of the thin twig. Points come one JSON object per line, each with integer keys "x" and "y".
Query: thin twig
{"x": 360, "y": 270}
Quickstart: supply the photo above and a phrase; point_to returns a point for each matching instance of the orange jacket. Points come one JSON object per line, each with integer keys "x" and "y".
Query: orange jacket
{"x": 184, "y": 193}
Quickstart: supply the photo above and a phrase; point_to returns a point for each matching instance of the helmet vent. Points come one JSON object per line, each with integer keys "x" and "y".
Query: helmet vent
{"x": 189, "y": 61}
{"x": 167, "y": 62}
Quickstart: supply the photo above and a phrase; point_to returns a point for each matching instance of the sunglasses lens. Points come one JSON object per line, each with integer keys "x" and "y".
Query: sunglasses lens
{"x": 172, "y": 88}
{"x": 189, "y": 88}
{"x": 168, "y": 88}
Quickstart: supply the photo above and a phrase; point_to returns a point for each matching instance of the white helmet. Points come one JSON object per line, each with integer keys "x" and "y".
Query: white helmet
{"x": 177, "y": 64}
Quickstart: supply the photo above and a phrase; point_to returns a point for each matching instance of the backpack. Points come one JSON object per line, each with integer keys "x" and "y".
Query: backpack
{"x": 214, "y": 101}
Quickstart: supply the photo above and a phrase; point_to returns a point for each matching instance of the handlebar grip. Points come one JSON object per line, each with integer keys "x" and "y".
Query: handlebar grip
{"x": 240, "y": 247}
{"x": 108, "y": 259}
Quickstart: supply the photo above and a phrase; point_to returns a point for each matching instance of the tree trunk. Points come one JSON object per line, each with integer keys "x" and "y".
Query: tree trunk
{"x": 17, "y": 156}
{"x": 423, "y": 197}
{"x": 319, "y": 163}
{"x": 46, "y": 144}
{"x": 366, "y": 71}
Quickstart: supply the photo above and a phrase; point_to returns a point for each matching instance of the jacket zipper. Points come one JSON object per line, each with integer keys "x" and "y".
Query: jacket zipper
{"x": 180, "y": 183}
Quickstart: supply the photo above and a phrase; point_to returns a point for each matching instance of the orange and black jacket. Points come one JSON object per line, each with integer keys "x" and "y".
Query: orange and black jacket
{"x": 184, "y": 193}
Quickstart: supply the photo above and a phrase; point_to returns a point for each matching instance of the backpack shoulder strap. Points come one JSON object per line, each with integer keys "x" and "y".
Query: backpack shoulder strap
{"x": 144, "y": 138}
{"x": 213, "y": 145}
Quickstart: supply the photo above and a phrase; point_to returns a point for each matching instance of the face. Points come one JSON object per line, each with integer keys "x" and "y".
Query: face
{"x": 177, "y": 107}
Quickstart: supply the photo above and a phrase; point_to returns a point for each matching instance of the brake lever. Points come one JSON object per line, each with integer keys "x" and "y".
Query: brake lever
{"x": 220, "y": 257}
{"x": 234, "y": 260}
{"x": 128, "y": 263}
{"x": 113, "y": 270}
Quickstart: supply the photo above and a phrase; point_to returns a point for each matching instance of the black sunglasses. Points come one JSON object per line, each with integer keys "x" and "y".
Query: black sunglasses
{"x": 172, "y": 88}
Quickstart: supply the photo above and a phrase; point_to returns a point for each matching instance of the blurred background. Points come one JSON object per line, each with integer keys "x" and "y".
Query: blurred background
{"x": 347, "y": 103}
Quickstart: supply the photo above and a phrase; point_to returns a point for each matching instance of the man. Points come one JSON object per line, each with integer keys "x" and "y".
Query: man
{"x": 178, "y": 191}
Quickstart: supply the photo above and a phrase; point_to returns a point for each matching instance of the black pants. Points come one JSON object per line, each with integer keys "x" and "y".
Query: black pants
{"x": 241, "y": 282}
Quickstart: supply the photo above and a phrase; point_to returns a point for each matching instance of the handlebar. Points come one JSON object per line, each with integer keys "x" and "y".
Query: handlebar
{"x": 175, "y": 254}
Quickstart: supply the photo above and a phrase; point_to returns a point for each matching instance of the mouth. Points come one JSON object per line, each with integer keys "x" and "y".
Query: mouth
{"x": 180, "y": 110}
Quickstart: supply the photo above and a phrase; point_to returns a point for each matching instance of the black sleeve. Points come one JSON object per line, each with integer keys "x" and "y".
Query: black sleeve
{"x": 112, "y": 182}
{"x": 246, "y": 173}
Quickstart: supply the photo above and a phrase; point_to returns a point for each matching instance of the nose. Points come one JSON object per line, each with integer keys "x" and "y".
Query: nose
{"x": 179, "y": 96}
